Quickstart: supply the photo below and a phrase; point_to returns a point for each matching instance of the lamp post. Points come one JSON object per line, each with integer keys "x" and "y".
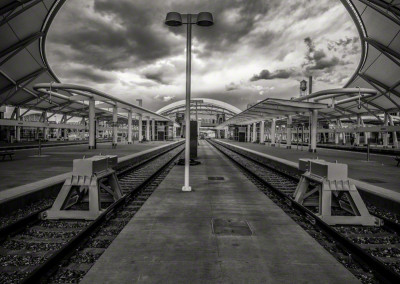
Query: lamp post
{"x": 174, "y": 19}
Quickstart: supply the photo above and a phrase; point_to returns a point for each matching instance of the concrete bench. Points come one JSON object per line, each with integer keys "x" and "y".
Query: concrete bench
{"x": 4, "y": 154}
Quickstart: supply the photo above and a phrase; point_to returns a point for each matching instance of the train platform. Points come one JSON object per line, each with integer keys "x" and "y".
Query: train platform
{"x": 224, "y": 231}
{"x": 381, "y": 170}
{"x": 26, "y": 167}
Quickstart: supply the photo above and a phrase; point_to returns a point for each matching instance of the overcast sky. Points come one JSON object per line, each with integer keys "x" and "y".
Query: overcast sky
{"x": 256, "y": 49}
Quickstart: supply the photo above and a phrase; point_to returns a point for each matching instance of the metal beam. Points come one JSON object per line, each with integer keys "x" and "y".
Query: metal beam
{"x": 22, "y": 80}
{"x": 390, "y": 53}
{"x": 370, "y": 4}
{"x": 12, "y": 6}
{"x": 20, "y": 11}
{"x": 388, "y": 89}
{"x": 20, "y": 45}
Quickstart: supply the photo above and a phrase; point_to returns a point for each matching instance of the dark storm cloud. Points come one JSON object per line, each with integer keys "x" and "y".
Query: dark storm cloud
{"x": 122, "y": 35}
{"x": 232, "y": 86}
{"x": 317, "y": 59}
{"x": 88, "y": 75}
{"x": 156, "y": 77}
{"x": 278, "y": 74}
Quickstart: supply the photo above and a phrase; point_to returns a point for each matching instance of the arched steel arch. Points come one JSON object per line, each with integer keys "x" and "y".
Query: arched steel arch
{"x": 204, "y": 106}
{"x": 24, "y": 25}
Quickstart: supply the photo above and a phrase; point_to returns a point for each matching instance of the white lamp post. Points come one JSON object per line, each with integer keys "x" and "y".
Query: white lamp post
{"x": 174, "y": 19}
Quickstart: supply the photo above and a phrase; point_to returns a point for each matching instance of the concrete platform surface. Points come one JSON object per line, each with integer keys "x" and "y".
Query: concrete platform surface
{"x": 225, "y": 231}
{"x": 380, "y": 171}
{"x": 26, "y": 168}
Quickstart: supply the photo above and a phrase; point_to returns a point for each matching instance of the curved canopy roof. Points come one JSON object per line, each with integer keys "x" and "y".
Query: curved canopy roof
{"x": 24, "y": 25}
{"x": 374, "y": 88}
{"x": 203, "y": 105}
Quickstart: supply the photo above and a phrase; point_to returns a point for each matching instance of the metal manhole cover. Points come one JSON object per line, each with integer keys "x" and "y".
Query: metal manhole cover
{"x": 373, "y": 180}
{"x": 231, "y": 227}
{"x": 216, "y": 178}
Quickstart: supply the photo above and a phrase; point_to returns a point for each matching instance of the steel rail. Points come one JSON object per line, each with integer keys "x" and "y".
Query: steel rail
{"x": 37, "y": 275}
{"x": 381, "y": 271}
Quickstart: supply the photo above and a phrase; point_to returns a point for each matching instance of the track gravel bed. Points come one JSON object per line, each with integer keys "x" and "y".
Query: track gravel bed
{"x": 380, "y": 243}
{"x": 23, "y": 252}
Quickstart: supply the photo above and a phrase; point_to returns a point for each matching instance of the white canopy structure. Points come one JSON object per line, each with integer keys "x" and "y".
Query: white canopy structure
{"x": 202, "y": 106}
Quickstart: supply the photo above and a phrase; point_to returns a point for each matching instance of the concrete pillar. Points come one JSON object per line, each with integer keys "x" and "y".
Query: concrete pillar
{"x": 395, "y": 142}
{"x": 366, "y": 134}
{"x": 289, "y": 132}
{"x": 357, "y": 140}
{"x": 254, "y": 132}
{"x": 65, "y": 134}
{"x": 140, "y": 136}
{"x": 153, "y": 130}
{"x": 148, "y": 128}
{"x": 248, "y": 133}
{"x": 92, "y": 127}
{"x": 18, "y": 128}
{"x": 313, "y": 132}
{"x": 173, "y": 131}
{"x": 129, "y": 127}
{"x": 262, "y": 129}
{"x": 273, "y": 128}
{"x": 337, "y": 133}
{"x": 385, "y": 135}
{"x": 115, "y": 127}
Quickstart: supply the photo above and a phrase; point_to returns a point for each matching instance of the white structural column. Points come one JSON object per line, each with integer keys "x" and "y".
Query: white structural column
{"x": 337, "y": 133}
{"x": 254, "y": 132}
{"x": 357, "y": 140}
{"x": 45, "y": 129}
{"x": 273, "y": 129}
{"x": 173, "y": 131}
{"x": 18, "y": 128}
{"x": 314, "y": 124}
{"x": 114, "y": 127}
{"x": 289, "y": 132}
{"x": 385, "y": 135}
{"x": 92, "y": 127}
{"x": 140, "y": 136}
{"x": 153, "y": 130}
{"x": 366, "y": 134}
{"x": 395, "y": 142}
{"x": 248, "y": 133}
{"x": 147, "y": 128}
{"x": 129, "y": 127}
{"x": 262, "y": 135}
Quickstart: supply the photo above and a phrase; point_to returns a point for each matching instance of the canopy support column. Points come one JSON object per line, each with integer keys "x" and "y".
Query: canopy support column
{"x": 18, "y": 128}
{"x": 153, "y": 130}
{"x": 248, "y": 133}
{"x": 314, "y": 124}
{"x": 147, "y": 128}
{"x": 395, "y": 142}
{"x": 92, "y": 132}
{"x": 273, "y": 129}
{"x": 254, "y": 132}
{"x": 262, "y": 138}
{"x": 114, "y": 127}
{"x": 140, "y": 135}
{"x": 129, "y": 127}
{"x": 337, "y": 133}
{"x": 385, "y": 134}
{"x": 289, "y": 132}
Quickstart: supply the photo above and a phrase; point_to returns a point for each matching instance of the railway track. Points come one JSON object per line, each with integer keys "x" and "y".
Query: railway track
{"x": 62, "y": 251}
{"x": 375, "y": 249}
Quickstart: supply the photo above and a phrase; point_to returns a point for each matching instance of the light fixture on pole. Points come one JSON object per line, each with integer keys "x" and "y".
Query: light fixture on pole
{"x": 174, "y": 19}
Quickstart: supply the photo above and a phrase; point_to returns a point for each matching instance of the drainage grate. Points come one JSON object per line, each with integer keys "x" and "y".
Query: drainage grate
{"x": 373, "y": 180}
{"x": 230, "y": 227}
{"x": 216, "y": 178}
